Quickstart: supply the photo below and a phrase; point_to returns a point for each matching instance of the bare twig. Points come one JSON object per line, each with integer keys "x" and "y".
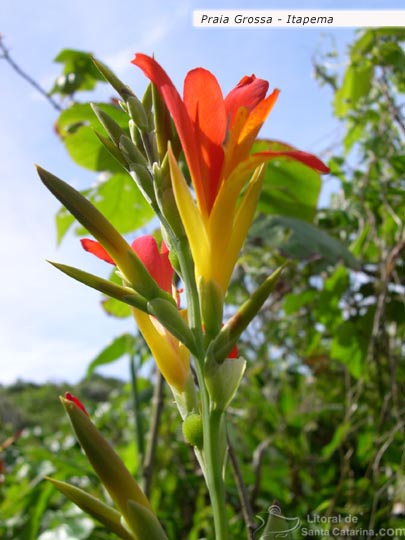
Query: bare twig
{"x": 148, "y": 464}
{"x": 243, "y": 496}
{"x": 258, "y": 456}
{"x": 395, "y": 110}
{"x": 5, "y": 55}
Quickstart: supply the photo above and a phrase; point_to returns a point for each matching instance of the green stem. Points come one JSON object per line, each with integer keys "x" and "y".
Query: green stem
{"x": 214, "y": 455}
{"x": 213, "y": 420}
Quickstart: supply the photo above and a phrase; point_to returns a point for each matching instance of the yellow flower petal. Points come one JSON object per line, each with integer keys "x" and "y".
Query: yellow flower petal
{"x": 193, "y": 221}
{"x": 244, "y": 216}
{"x": 172, "y": 358}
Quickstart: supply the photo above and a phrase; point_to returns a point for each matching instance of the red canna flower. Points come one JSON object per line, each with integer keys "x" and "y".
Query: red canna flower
{"x": 172, "y": 357}
{"x": 156, "y": 262}
{"x": 217, "y": 134}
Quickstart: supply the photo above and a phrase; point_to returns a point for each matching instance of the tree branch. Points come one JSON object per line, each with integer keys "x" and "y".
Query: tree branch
{"x": 243, "y": 496}
{"x": 5, "y": 55}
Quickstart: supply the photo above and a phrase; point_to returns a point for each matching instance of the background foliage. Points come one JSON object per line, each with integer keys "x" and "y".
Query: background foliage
{"x": 318, "y": 423}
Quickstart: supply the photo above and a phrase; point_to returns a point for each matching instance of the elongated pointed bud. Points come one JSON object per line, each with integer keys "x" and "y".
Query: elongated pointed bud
{"x": 123, "y": 90}
{"x": 229, "y": 335}
{"x": 114, "y": 131}
{"x": 162, "y": 120}
{"x": 119, "y": 292}
{"x": 93, "y": 220}
{"x": 100, "y": 511}
{"x": 143, "y": 523}
{"x": 112, "y": 149}
{"x": 165, "y": 198}
{"x": 131, "y": 152}
{"x": 137, "y": 113}
{"x": 116, "y": 478}
{"x": 212, "y": 301}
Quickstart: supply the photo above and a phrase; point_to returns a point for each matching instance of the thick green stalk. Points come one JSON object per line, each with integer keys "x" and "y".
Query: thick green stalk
{"x": 213, "y": 452}
{"x": 214, "y": 445}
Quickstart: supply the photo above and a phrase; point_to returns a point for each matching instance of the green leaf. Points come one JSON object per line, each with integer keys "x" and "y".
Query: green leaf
{"x": 338, "y": 438}
{"x": 293, "y": 302}
{"x": 80, "y": 114}
{"x": 86, "y": 149}
{"x": 349, "y": 346}
{"x": 290, "y": 188}
{"x": 356, "y": 84}
{"x": 121, "y": 202}
{"x": 79, "y": 72}
{"x": 119, "y": 347}
{"x": 118, "y": 199}
{"x": 116, "y": 309}
{"x": 300, "y": 240}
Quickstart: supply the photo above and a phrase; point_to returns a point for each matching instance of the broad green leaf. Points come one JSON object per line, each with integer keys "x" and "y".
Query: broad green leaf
{"x": 119, "y": 200}
{"x": 116, "y": 309}
{"x": 290, "y": 188}
{"x": 119, "y": 347}
{"x": 80, "y": 114}
{"x": 79, "y": 72}
{"x": 356, "y": 84}
{"x": 293, "y": 302}
{"x": 349, "y": 346}
{"x": 391, "y": 54}
{"x": 86, "y": 149}
{"x": 112, "y": 306}
{"x": 301, "y": 240}
{"x": 63, "y": 221}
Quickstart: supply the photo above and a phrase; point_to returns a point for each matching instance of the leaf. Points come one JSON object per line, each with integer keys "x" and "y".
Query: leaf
{"x": 115, "y": 308}
{"x": 293, "y": 302}
{"x": 79, "y": 72}
{"x": 121, "y": 202}
{"x": 338, "y": 438}
{"x": 119, "y": 347}
{"x": 349, "y": 347}
{"x": 86, "y": 149}
{"x": 290, "y": 188}
{"x": 80, "y": 114}
{"x": 118, "y": 199}
{"x": 356, "y": 84}
{"x": 301, "y": 240}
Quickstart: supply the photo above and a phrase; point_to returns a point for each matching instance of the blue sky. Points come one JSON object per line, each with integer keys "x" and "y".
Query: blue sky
{"x": 51, "y": 327}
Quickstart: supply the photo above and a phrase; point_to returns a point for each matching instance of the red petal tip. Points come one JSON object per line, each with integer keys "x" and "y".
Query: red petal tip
{"x": 76, "y": 401}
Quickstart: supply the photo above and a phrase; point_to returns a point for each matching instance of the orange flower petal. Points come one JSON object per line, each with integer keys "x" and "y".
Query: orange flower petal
{"x": 249, "y": 92}
{"x": 205, "y": 105}
{"x": 177, "y": 109}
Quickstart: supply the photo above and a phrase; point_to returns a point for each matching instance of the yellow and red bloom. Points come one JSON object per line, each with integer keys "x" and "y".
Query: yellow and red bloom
{"x": 217, "y": 135}
{"x": 172, "y": 357}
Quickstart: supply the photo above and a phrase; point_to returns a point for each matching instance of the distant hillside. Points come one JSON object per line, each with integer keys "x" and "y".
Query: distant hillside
{"x": 25, "y": 404}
